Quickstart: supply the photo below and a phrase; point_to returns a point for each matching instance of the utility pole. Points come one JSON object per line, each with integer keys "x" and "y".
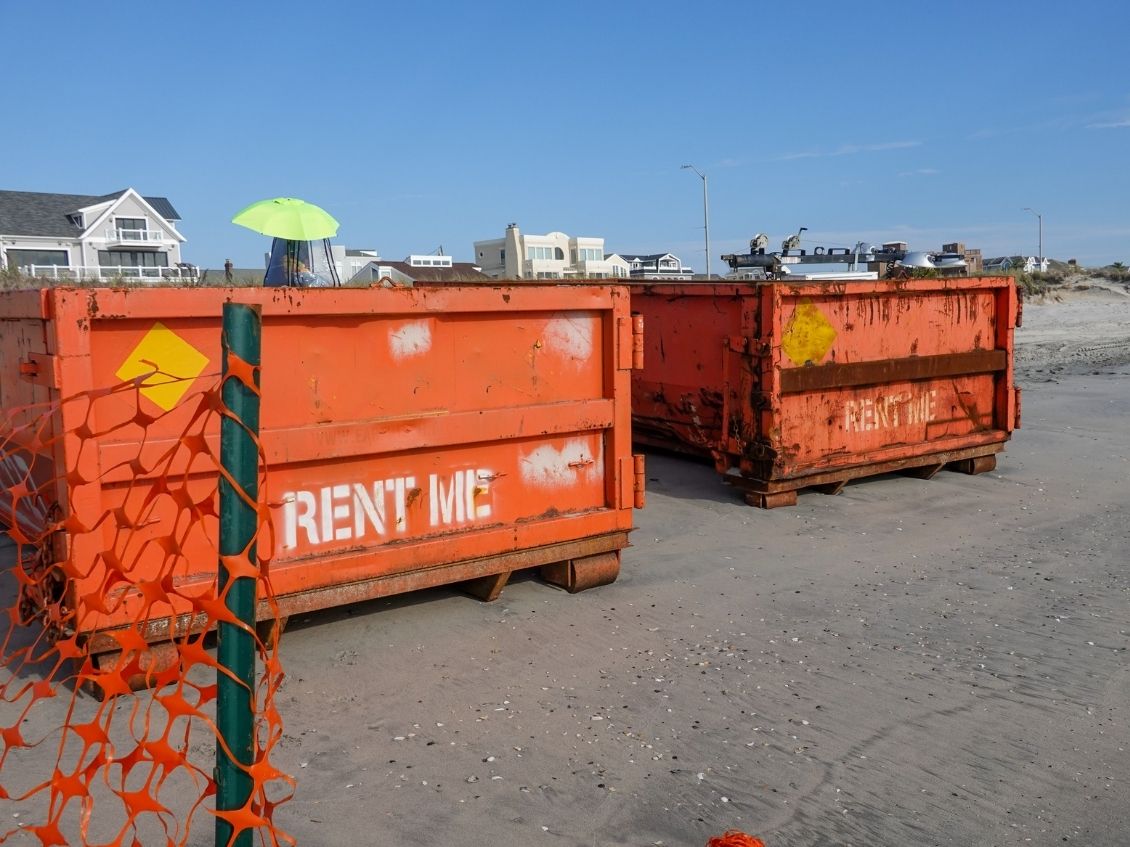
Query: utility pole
{"x": 705, "y": 214}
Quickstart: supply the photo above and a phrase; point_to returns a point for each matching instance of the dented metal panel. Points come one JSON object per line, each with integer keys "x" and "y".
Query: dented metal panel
{"x": 677, "y": 394}
{"x": 787, "y": 382}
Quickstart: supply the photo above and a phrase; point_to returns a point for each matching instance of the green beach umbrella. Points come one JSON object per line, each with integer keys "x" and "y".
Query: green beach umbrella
{"x": 289, "y": 218}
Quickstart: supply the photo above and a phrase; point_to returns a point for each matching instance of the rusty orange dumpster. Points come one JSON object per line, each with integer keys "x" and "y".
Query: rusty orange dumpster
{"x": 411, "y": 438}
{"x": 795, "y": 385}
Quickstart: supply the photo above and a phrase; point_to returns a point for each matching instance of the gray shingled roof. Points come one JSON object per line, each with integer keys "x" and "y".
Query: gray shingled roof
{"x": 649, "y": 257}
{"x": 458, "y": 272}
{"x": 39, "y": 213}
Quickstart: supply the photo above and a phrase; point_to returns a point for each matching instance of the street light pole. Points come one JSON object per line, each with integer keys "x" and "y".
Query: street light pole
{"x": 1040, "y": 224}
{"x": 705, "y": 214}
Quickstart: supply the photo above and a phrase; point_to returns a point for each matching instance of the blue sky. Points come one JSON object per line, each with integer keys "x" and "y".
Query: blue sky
{"x": 423, "y": 124}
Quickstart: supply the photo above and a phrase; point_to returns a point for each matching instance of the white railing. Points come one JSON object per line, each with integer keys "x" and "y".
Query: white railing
{"x": 133, "y": 236}
{"x": 109, "y": 273}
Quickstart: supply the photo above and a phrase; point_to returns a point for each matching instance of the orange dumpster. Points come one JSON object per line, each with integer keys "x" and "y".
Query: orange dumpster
{"x": 411, "y": 438}
{"x": 796, "y": 385}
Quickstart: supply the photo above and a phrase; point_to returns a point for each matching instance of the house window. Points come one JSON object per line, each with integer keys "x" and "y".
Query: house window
{"x": 545, "y": 253}
{"x": 23, "y": 258}
{"x": 591, "y": 254}
{"x": 132, "y": 259}
{"x": 130, "y": 229}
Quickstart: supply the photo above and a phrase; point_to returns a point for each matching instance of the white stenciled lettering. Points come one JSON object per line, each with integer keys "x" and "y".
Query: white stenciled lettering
{"x": 462, "y": 497}
{"x": 368, "y": 511}
{"x": 299, "y": 508}
{"x": 887, "y": 411}
{"x": 356, "y": 510}
{"x": 480, "y": 490}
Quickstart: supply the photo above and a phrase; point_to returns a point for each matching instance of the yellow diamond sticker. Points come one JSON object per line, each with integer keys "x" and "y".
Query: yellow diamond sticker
{"x": 808, "y": 335}
{"x": 171, "y": 362}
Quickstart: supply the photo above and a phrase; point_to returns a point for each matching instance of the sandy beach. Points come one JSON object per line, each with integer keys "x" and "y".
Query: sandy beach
{"x": 910, "y": 662}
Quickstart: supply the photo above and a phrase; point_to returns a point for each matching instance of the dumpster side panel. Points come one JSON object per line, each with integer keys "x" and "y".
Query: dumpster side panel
{"x": 823, "y": 429}
{"x": 853, "y": 374}
{"x": 677, "y": 395}
{"x": 839, "y": 327}
{"x": 403, "y": 431}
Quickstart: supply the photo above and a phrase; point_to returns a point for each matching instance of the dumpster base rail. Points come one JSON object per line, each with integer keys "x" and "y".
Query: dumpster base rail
{"x": 572, "y": 565}
{"x": 772, "y": 494}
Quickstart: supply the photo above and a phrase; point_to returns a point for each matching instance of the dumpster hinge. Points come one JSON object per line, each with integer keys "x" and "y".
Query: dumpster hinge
{"x": 637, "y": 341}
{"x": 630, "y": 352}
{"x": 41, "y": 369}
{"x": 640, "y": 479}
{"x": 630, "y": 482}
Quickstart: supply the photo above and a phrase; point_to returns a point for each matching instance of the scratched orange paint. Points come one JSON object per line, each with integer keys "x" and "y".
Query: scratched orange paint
{"x": 781, "y": 381}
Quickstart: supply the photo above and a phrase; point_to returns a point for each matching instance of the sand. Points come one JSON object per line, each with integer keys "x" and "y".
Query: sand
{"x": 911, "y": 662}
{"x": 1079, "y": 328}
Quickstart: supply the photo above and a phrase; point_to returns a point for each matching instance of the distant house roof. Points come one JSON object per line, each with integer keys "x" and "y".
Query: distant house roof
{"x": 458, "y": 272}
{"x": 39, "y": 213}
{"x": 361, "y": 251}
{"x": 639, "y": 257}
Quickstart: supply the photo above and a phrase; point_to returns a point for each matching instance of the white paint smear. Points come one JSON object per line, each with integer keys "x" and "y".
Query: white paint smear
{"x": 571, "y": 337}
{"x": 548, "y": 467}
{"x": 410, "y": 339}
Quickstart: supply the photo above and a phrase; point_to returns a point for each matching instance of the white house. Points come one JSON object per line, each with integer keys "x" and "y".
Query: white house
{"x": 350, "y": 261}
{"x": 657, "y": 266}
{"x": 78, "y": 236}
{"x": 418, "y": 268}
{"x": 552, "y": 256}
{"x": 1028, "y": 264}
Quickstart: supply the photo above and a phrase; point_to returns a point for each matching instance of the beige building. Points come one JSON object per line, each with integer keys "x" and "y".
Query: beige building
{"x": 552, "y": 256}
{"x": 974, "y": 262}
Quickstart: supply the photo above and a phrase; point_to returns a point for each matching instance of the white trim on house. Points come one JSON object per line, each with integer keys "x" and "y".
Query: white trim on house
{"x": 151, "y": 253}
{"x": 92, "y": 229}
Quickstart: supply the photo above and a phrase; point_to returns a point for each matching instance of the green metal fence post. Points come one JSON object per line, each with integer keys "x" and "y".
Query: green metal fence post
{"x": 239, "y": 455}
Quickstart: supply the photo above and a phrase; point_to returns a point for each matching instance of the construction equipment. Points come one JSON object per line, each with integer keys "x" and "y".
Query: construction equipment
{"x": 894, "y": 255}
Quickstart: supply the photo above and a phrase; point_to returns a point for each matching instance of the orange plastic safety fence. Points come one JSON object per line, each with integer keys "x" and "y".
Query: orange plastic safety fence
{"x": 109, "y": 583}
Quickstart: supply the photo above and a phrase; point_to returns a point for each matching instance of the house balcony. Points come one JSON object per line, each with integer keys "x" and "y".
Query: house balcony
{"x": 111, "y": 273}
{"x": 136, "y": 237}
{"x": 545, "y": 268}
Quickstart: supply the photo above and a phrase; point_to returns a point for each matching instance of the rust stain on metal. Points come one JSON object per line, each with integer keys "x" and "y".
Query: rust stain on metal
{"x": 436, "y": 475}
{"x": 915, "y": 367}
